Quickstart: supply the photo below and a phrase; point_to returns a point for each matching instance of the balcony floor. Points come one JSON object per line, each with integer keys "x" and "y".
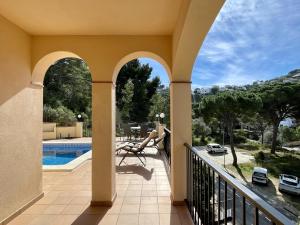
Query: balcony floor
{"x": 143, "y": 197}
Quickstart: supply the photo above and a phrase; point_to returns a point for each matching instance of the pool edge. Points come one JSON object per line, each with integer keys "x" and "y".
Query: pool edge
{"x": 70, "y": 166}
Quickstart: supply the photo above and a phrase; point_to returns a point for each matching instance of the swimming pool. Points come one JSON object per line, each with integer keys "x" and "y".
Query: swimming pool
{"x": 63, "y": 153}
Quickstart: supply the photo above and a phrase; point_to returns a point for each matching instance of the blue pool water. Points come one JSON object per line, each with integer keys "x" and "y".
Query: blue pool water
{"x": 62, "y": 153}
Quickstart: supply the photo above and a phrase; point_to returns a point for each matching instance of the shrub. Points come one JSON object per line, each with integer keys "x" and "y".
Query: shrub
{"x": 239, "y": 139}
{"x": 260, "y": 156}
{"x": 61, "y": 115}
{"x": 196, "y": 141}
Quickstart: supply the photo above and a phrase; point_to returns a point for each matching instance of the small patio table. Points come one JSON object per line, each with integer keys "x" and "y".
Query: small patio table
{"x": 135, "y": 131}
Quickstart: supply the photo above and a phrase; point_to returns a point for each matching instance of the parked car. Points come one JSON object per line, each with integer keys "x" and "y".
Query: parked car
{"x": 260, "y": 175}
{"x": 215, "y": 148}
{"x": 289, "y": 183}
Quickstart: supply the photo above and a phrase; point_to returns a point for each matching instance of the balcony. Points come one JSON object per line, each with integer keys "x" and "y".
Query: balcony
{"x": 143, "y": 197}
{"x": 215, "y": 197}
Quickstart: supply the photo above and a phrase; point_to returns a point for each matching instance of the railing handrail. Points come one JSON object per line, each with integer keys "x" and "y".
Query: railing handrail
{"x": 258, "y": 202}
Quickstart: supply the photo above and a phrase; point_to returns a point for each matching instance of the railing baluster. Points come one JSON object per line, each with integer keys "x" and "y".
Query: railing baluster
{"x": 208, "y": 199}
{"x": 256, "y": 216}
{"x": 191, "y": 183}
{"x": 194, "y": 187}
{"x": 233, "y": 206}
{"x": 225, "y": 202}
{"x": 219, "y": 202}
{"x": 213, "y": 198}
{"x": 201, "y": 196}
{"x": 244, "y": 210}
{"x": 205, "y": 195}
{"x": 198, "y": 192}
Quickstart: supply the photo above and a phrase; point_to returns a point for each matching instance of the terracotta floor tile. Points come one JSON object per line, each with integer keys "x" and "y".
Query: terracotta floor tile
{"x": 22, "y": 219}
{"x": 167, "y": 208}
{"x": 80, "y": 200}
{"x": 115, "y": 209}
{"x": 132, "y": 200}
{"x": 62, "y": 200}
{"x": 148, "y": 200}
{"x": 128, "y": 219}
{"x": 164, "y": 200}
{"x": 44, "y": 220}
{"x": 65, "y": 219}
{"x": 130, "y": 209}
{"x": 169, "y": 219}
{"x": 54, "y": 209}
{"x": 35, "y": 210}
{"x": 73, "y": 209}
{"x": 148, "y": 219}
{"x": 149, "y": 208}
{"x": 109, "y": 220}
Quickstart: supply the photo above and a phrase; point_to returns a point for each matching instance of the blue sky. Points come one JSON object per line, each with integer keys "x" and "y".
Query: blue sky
{"x": 250, "y": 40}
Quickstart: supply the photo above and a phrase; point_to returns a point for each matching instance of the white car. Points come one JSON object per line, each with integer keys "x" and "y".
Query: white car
{"x": 289, "y": 183}
{"x": 215, "y": 148}
{"x": 260, "y": 175}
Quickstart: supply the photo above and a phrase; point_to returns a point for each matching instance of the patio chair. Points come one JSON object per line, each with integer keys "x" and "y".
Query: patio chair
{"x": 136, "y": 149}
{"x": 144, "y": 131}
{"x": 127, "y": 131}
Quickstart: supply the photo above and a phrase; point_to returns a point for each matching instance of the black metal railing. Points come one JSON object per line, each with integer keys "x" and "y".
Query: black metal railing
{"x": 167, "y": 144}
{"x": 215, "y": 197}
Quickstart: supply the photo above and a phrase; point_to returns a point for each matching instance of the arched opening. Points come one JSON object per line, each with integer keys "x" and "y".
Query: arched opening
{"x": 67, "y": 110}
{"x": 143, "y": 126}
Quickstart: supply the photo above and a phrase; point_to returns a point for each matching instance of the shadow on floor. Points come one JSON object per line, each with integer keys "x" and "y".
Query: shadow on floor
{"x": 92, "y": 216}
{"x": 135, "y": 169}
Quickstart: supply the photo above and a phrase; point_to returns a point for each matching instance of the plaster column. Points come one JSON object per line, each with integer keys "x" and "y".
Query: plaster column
{"x": 181, "y": 132}
{"x": 103, "y": 154}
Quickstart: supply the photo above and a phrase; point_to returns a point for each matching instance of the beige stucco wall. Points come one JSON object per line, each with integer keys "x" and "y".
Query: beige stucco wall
{"x": 105, "y": 55}
{"x": 20, "y": 122}
{"x": 49, "y": 131}
{"x": 69, "y": 132}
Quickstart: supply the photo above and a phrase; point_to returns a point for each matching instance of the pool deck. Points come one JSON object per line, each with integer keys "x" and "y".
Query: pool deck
{"x": 143, "y": 197}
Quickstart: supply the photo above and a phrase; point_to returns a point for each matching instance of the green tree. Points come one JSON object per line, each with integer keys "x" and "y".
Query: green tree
{"x": 127, "y": 100}
{"x": 160, "y": 103}
{"x": 280, "y": 101}
{"x": 228, "y": 107}
{"x": 68, "y": 83}
{"x": 215, "y": 89}
{"x": 259, "y": 124}
{"x": 144, "y": 89}
{"x": 200, "y": 128}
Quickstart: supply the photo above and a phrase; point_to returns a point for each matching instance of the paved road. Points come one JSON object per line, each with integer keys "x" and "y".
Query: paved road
{"x": 219, "y": 158}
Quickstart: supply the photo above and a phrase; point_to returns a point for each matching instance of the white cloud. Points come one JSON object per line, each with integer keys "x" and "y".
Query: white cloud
{"x": 249, "y": 41}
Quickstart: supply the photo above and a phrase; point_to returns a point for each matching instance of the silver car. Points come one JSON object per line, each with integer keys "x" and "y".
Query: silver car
{"x": 215, "y": 148}
{"x": 260, "y": 175}
{"x": 289, "y": 183}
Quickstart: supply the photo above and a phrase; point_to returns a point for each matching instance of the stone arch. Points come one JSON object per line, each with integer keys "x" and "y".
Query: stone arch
{"x": 41, "y": 67}
{"x": 140, "y": 54}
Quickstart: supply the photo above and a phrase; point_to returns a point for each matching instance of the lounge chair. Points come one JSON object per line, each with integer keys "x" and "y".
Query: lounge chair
{"x": 157, "y": 140}
{"x": 136, "y": 149}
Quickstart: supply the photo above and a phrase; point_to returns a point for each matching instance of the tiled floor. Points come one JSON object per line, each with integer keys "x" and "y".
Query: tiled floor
{"x": 142, "y": 197}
